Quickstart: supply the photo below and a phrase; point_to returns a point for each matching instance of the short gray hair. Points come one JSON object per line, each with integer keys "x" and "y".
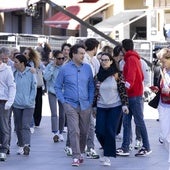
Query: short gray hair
{"x": 5, "y": 51}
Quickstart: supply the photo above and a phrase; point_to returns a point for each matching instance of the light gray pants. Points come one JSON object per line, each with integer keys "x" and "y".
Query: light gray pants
{"x": 22, "y": 121}
{"x": 78, "y": 122}
{"x": 91, "y": 133}
{"x": 56, "y": 123}
{"x": 4, "y": 128}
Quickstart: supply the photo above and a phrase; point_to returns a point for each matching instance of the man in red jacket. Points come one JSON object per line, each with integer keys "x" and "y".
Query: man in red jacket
{"x": 134, "y": 84}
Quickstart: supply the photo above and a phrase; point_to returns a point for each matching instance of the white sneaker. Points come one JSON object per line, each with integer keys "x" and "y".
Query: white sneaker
{"x": 68, "y": 151}
{"x": 138, "y": 144}
{"x": 3, "y": 156}
{"x": 130, "y": 147}
{"x": 106, "y": 161}
{"x": 32, "y": 130}
{"x": 20, "y": 151}
{"x": 65, "y": 130}
{"x": 61, "y": 137}
{"x": 92, "y": 154}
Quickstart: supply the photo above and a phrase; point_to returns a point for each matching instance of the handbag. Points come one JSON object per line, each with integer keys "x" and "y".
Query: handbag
{"x": 39, "y": 76}
{"x": 155, "y": 101}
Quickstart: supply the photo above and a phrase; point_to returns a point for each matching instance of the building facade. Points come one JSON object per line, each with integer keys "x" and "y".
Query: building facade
{"x": 142, "y": 19}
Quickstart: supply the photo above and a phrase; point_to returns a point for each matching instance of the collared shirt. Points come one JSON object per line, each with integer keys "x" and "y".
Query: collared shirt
{"x": 93, "y": 62}
{"x": 75, "y": 85}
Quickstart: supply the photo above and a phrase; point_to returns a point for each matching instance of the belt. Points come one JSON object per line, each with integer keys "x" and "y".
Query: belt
{"x": 3, "y": 101}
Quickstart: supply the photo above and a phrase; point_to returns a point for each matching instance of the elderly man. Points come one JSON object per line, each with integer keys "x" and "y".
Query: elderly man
{"x": 6, "y": 58}
{"x": 7, "y": 95}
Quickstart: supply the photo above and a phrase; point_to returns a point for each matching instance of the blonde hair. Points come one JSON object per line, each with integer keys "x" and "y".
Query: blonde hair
{"x": 163, "y": 53}
{"x": 34, "y": 56}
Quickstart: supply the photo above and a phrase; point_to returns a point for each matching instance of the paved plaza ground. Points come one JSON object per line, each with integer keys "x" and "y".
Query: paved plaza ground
{"x": 46, "y": 155}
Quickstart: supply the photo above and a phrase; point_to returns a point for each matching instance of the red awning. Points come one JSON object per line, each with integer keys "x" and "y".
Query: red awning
{"x": 81, "y": 10}
{"x": 60, "y": 20}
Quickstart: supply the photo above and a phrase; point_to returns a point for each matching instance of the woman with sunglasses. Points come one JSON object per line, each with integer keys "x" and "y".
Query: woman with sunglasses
{"x": 50, "y": 74}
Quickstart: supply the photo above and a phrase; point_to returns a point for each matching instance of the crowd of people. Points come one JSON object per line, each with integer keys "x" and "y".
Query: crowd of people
{"x": 92, "y": 91}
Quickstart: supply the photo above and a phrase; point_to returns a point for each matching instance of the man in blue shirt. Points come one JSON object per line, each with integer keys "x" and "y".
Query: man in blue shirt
{"x": 75, "y": 90}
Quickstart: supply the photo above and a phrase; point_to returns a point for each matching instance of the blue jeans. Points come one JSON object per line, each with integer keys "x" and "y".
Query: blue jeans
{"x": 135, "y": 110}
{"x": 107, "y": 120}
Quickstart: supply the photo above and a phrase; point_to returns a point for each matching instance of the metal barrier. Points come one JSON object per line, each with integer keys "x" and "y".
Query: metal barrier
{"x": 29, "y": 40}
{"x": 20, "y": 41}
{"x": 144, "y": 48}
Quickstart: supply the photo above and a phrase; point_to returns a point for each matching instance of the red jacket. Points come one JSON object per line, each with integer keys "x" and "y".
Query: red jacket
{"x": 133, "y": 74}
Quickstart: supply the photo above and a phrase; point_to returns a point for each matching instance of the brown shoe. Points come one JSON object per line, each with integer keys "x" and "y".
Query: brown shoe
{"x": 56, "y": 138}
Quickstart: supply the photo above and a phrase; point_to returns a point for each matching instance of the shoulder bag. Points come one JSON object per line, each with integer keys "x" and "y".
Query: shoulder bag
{"x": 39, "y": 75}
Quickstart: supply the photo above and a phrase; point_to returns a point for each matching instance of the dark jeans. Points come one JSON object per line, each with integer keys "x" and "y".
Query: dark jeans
{"x": 38, "y": 107}
{"x": 107, "y": 120}
{"x": 135, "y": 110}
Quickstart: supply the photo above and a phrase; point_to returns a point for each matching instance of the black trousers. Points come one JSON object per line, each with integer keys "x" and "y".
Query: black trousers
{"x": 38, "y": 107}
{"x": 120, "y": 124}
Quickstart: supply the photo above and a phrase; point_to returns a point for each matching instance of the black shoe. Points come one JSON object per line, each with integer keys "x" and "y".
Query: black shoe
{"x": 143, "y": 152}
{"x": 122, "y": 152}
{"x": 8, "y": 152}
{"x": 161, "y": 140}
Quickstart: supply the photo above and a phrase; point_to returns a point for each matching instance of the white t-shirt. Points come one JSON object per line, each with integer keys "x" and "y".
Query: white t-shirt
{"x": 93, "y": 62}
